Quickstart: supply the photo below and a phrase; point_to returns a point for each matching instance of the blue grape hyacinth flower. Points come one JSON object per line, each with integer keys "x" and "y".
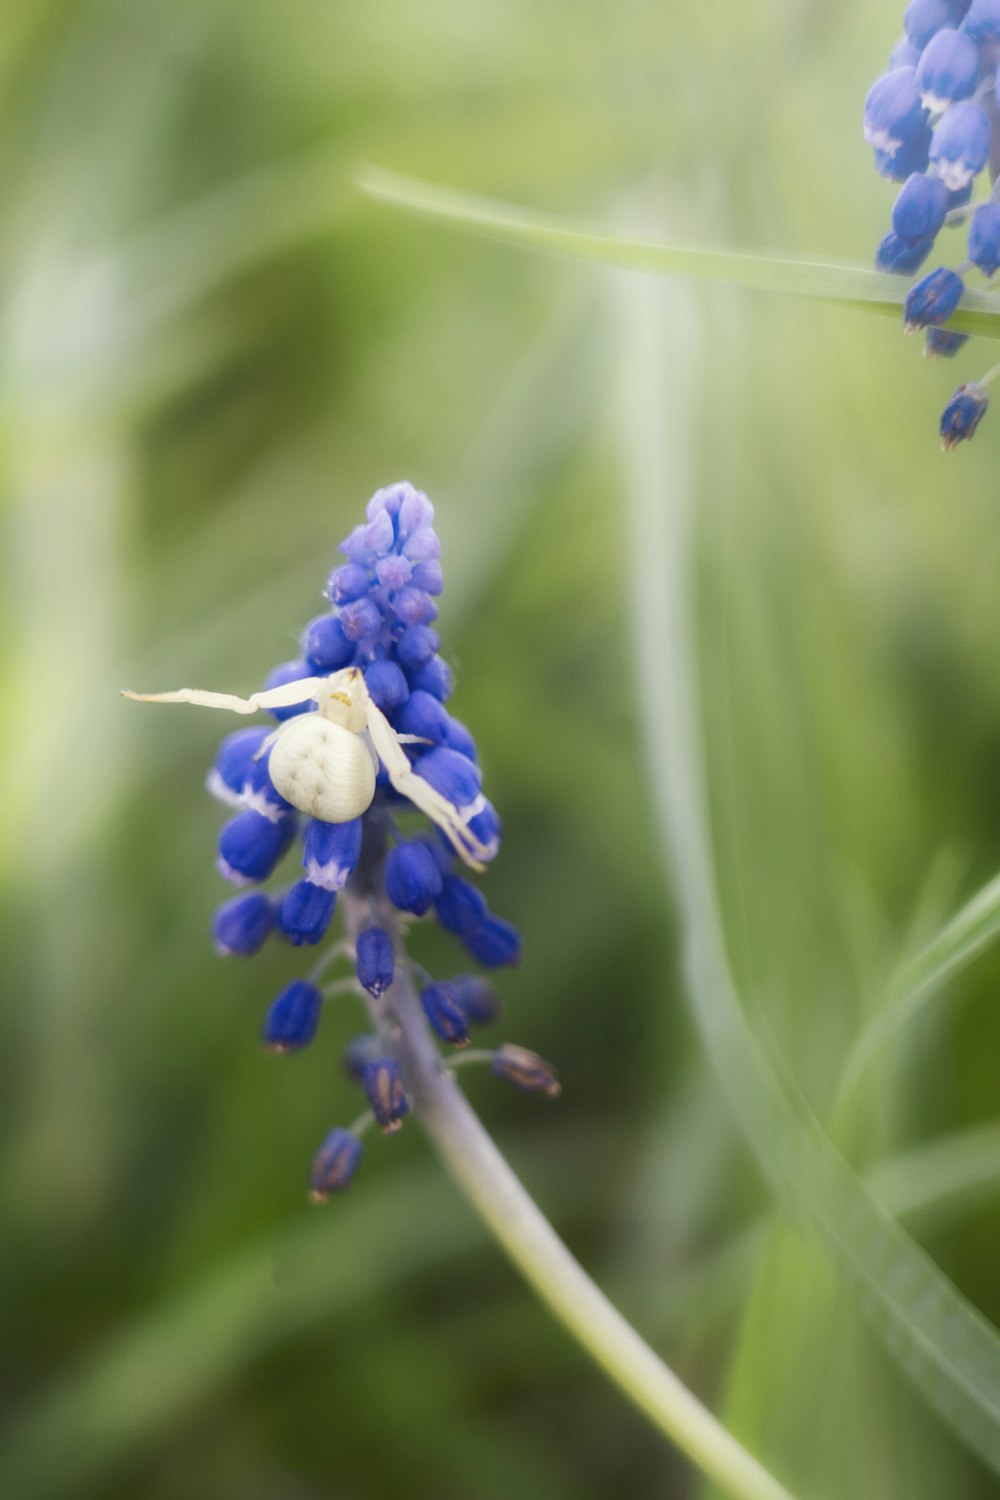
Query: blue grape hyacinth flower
{"x": 378, "y": 785}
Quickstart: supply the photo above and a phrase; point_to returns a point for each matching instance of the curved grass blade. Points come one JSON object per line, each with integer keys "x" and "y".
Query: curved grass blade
{"x": 967, "y": 935}
{"x": 943, "y": 1344}
{"x": 854, "y": 286}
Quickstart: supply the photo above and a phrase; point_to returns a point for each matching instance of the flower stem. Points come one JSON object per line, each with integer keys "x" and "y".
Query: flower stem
{"x": 525, "y": 1233}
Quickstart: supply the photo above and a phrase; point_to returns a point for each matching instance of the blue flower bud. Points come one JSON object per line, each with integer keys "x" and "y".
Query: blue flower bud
{"x": 305, "y": 912}
{"x": 429, "y": 577}
{"x": 334, "y": 1164}
{"x": 289, "y": 671}
{"x": 901, "y": 257}
{"x": 350, "y": 582}
{"x": 904, "y": 54}
{"x": 293, "y": 1019}
{"x": 933, "y": 299}
{"x": 250, "y": 846}
{"x": 413, "y": 606}
{"x": 451, "y": 774}
{"x": 526, "y": 1069}
{"x": 923, "y": 18}
{"x": 982, "y": 21}
{"x": 961, "y": 145}
{"x": 383, "y": 1083}
{"x": 360, "y": 1050}
{"x": 948, "y": 69}
{"x": 361, "y": 618}
{"x": 233, "y": 763}
{"x": 367, "y": 543}
{"x": 494, "y": 943}
{"x": 325, "y": 645}
{"x": 479, "y": 1000}
{"x": 416, "y": 646}
{"x": 445, "y": 1014}
{"x": 416, "y": 513}
{"x": 412, "y": 877}
{"x": 422, "y": 545}
{"x": 984, "y": 238}
{"x": 433, "y": 677}
{"x": 262, "y": 795}
{"x": 375, "y": 961}
{"x": 943, "y": 343}
{"x": 963, "y": 414}
{"x": 457, "y": 737}
{"x": 485, "y": 826}
{"x": 394, "y": 572}
{"x": 386, "y": 685}
{"x": 423, "y": 715}
{"x": 913, "y": 155}
{"x": 893, "y": 111}
{"x": 919, "y": 211}
{"x": 243, "y": 924}
{"x": 460, "y": 907}
{"x": 331, "y": 852}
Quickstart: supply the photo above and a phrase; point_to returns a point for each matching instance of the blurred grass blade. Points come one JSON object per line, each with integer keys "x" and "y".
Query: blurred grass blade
{"x": 967, "y": 935}
{"x": 945, "y": 1346}
{"x": 855, "y": 286}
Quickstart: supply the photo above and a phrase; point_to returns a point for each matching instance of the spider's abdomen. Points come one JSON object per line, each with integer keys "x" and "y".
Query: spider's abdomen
{"x": 322, "y": 769}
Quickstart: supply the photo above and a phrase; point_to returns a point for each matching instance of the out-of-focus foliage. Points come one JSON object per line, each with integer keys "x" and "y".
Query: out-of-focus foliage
{"x": 212, "y": 351}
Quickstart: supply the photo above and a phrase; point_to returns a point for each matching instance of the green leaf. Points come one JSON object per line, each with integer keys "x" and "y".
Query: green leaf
{"x": 942, "y": 1343}
{"x": 868, "y": 291}
{"x": 971, "y": 931}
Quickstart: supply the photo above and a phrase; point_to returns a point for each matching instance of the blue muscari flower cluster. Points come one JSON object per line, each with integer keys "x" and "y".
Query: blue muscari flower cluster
{"x": 381, "y": 622}
{"x": 930, "y": 122}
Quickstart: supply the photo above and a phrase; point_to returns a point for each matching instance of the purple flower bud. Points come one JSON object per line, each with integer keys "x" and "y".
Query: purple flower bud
{"x": 449, "y": 773}
{"x": 416, "y": 646}
{"x": 383, "y": 1083}
{"x": 526, "y": 1069}
{"x": 893, "y": 111}
{"x": 923, "y": 18}
{"x": 494, "y": 943}
{"x": 433, "y": 677}
{"x": 932, "y": 300}
{"x": 416, "y": 512}
{"x": 289, "y": 671}
{"x": 325, "y": 645}
{"x": 412, "y": 877}
{"x": 233, "y": 763}
{"x": 429, "y": 577}
{"x": 334, "y": 1164}
{"x": 479, "y": 1000}
{"x": 919, "y": 211}
{"x": 375, "y": 961}
{"x": 394, "y": 572}
{"x": 961, "y": 145}
{"x": 984, "y": 238}
{"x": 445, "y": 1014}
{"x": 424, "y": 716}
{"x": 292, "y": 1020}
{"x": 243, "y": 924}
{"x": 982, "y": 21}
{"x": 250, "y": 846}
{"x": 948, "y": 69}
{"x": 360, "y": 619}
{"x": 331, "y": 852}
{"x": 901, "y": 257}
{"x": 943, "y": 343}
{"x": 413, "y": 606}
{"x": 386, "y": 685}
{"x": 367, "y": 543}
{"x": 963, "y": 414}
{"x": 348, "y": 583}
{"x": 305, "y": 912}
{"x": 460, "y": 907}
{"x": 422, "y": 546}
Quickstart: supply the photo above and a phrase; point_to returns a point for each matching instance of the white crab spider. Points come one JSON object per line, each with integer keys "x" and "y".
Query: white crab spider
{"x": 325, "y": 763}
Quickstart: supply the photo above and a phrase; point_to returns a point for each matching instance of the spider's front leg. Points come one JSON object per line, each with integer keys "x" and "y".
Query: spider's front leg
{"x": 279, "y": 697}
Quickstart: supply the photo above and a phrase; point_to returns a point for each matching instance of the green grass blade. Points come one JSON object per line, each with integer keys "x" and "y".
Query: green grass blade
{"x": 944, "y": 1345}
{"x": 967, "y": 935}
{"x": 855, "y": 286}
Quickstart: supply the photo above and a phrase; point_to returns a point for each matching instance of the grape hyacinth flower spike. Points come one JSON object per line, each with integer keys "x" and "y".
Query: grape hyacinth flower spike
{"x": 931, "y": 120}
{"x": 362, "y": 741}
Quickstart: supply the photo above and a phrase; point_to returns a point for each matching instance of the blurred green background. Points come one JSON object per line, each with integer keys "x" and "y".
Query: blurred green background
{"x": 213, "y": 350}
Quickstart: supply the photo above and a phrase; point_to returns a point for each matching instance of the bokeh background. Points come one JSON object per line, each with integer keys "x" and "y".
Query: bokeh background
{"x": 213, "y": 349}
